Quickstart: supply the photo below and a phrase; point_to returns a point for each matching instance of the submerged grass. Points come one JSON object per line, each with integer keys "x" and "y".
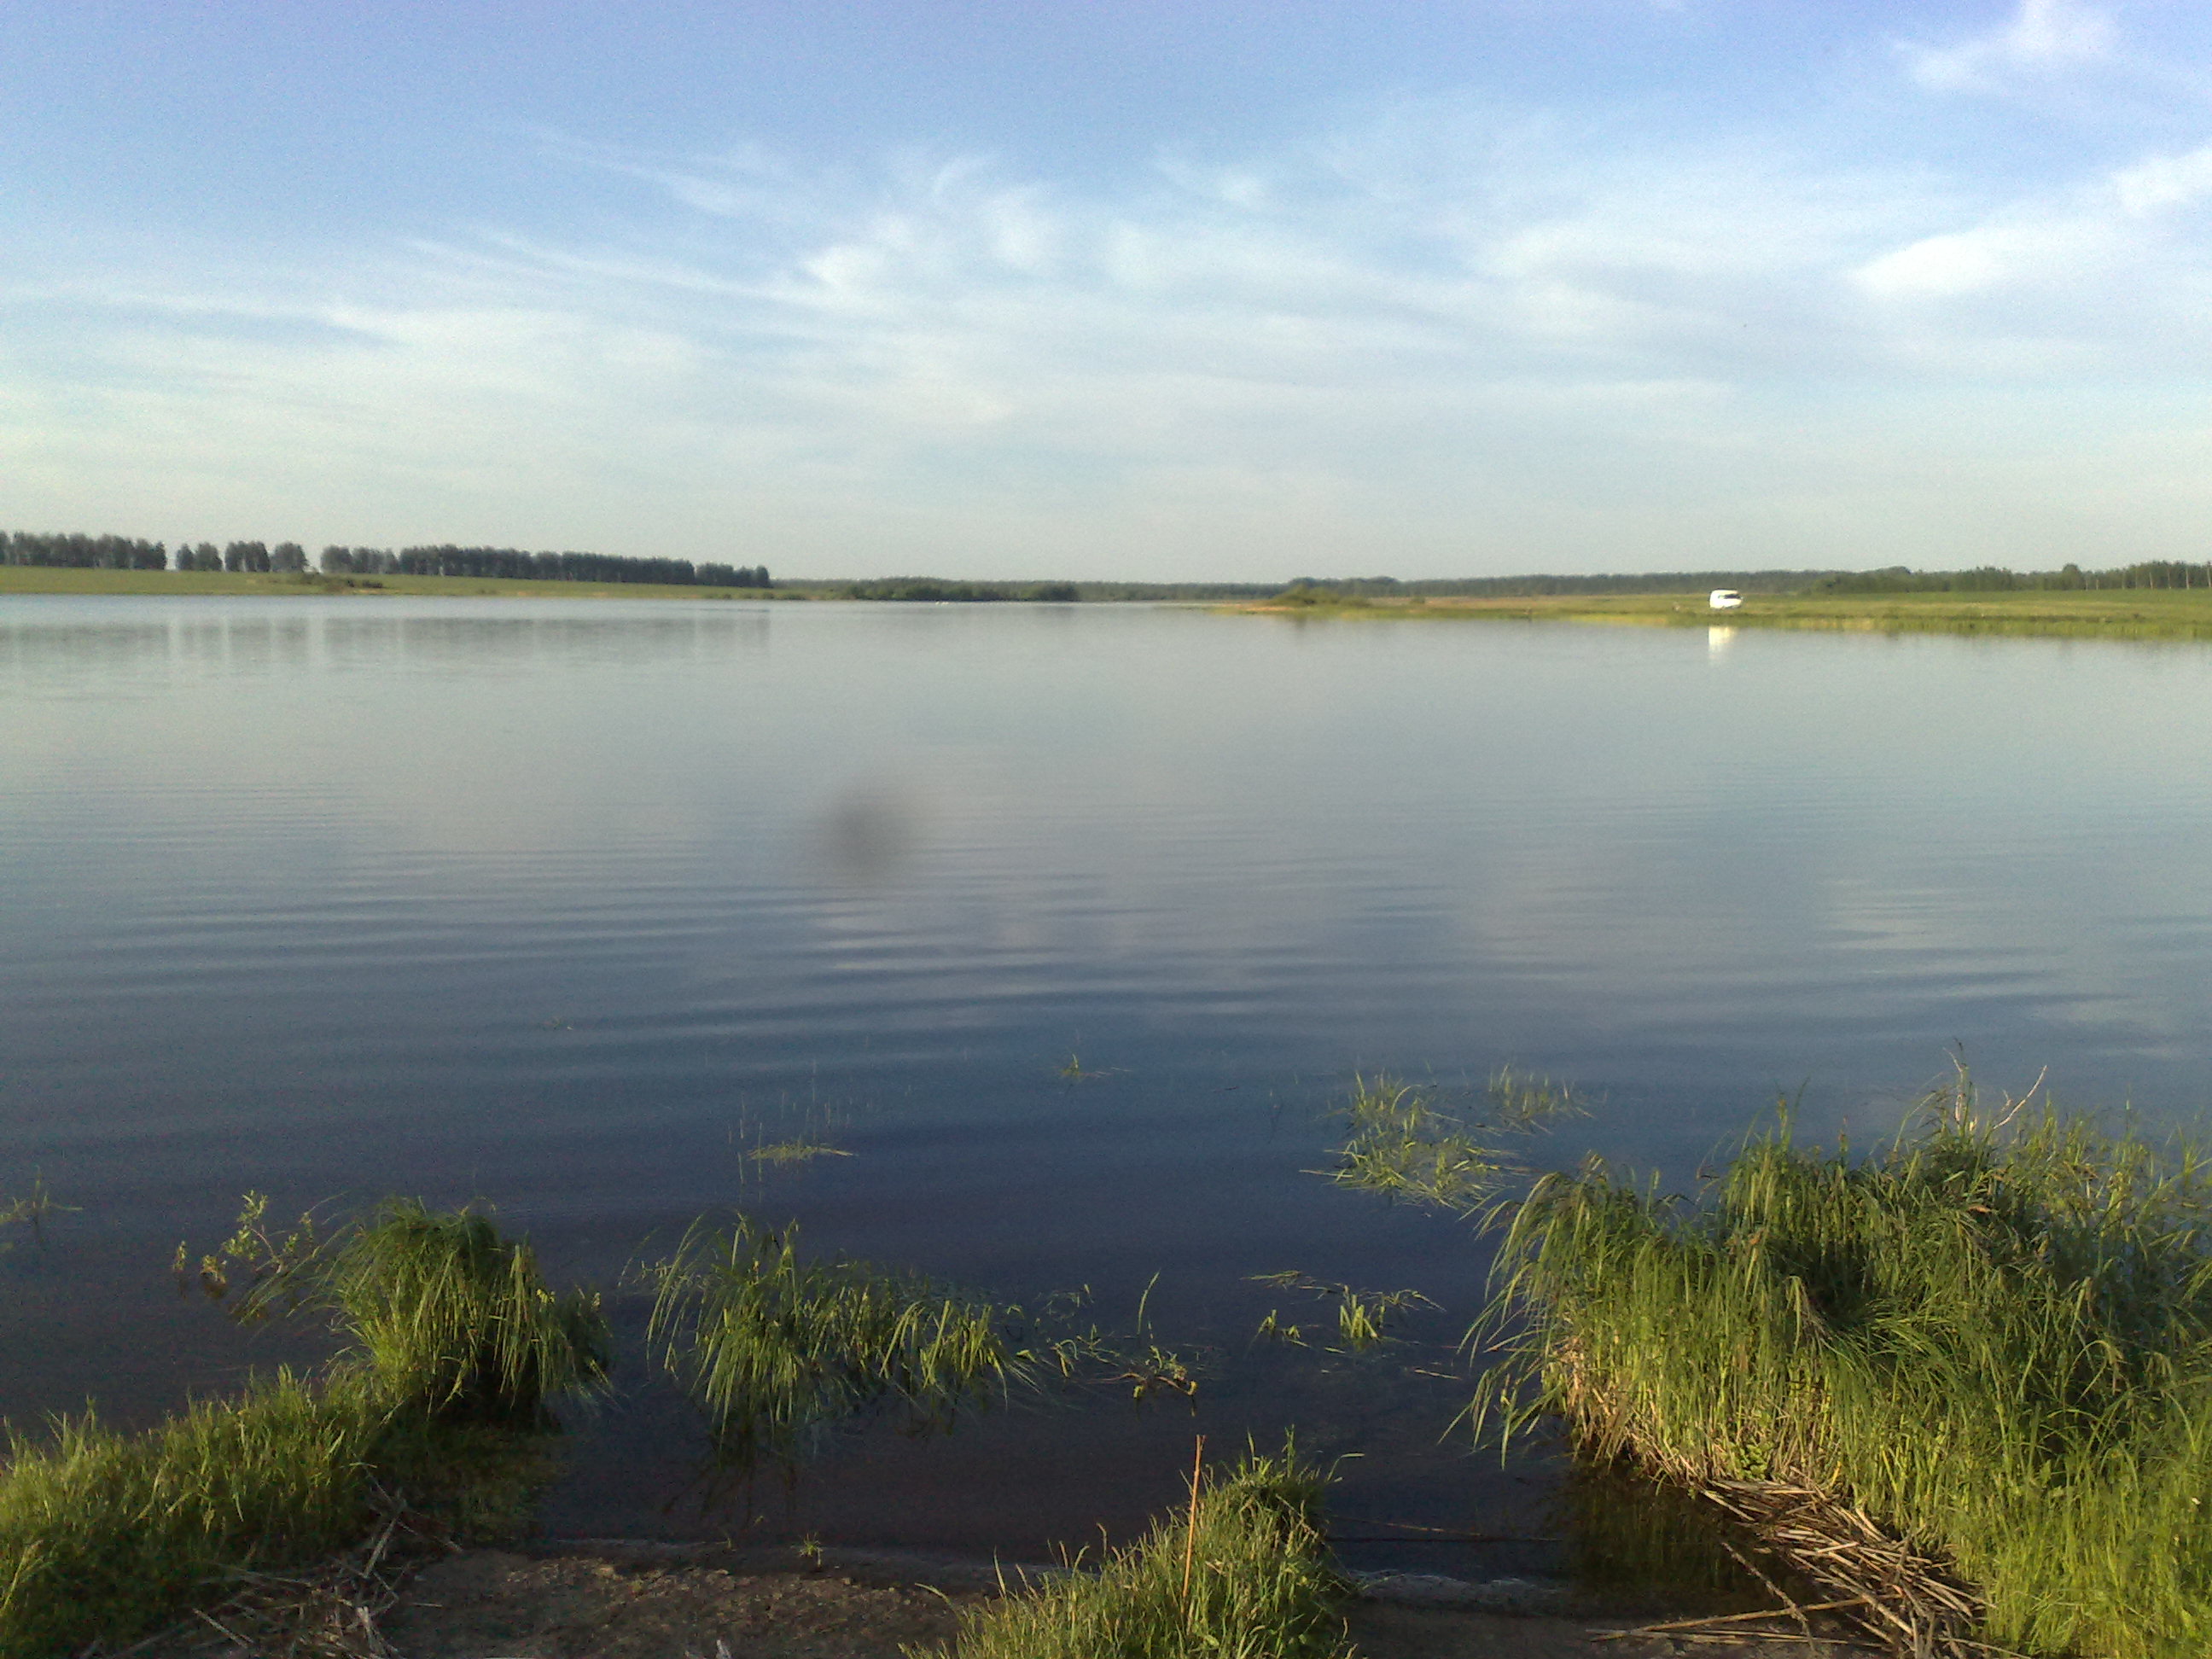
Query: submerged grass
{"x": 448, "y": 1313}
{"x": 1404, "y": 1145}
{"x": 1986, "y": 1350}
{"x": 31, "y": 1212}
{"x": 774, "y": 1346}
{"x": 1363, "y": 1317}
{"x": 459, "y": 1348}
{"x": 771, "y": 1345}
{"x": 443, "y": 1310}
{"x": 1239, "y": 1573}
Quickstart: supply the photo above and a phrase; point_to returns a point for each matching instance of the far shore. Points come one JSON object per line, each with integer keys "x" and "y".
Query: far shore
{"x": 235, "y": 584}
{"x": 2106, "y": 613}
{"x": 2111, "y": 613}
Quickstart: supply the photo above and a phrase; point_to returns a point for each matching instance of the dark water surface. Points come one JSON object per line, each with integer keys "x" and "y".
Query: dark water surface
{"x": 568, "y": 905}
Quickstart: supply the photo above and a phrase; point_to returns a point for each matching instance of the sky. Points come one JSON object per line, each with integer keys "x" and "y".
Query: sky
{"x": 1225, "y": 289}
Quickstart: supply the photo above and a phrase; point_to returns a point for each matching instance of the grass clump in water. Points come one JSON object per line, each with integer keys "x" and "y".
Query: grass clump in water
{"x": 775, "y": 1347}
{"x": 448, "y": 1314}
{"x": 1363, "y": 1317}
{"x": 458, "y": 1349}
{"x": 30, "y": 1212}
{"x": 1239, "y": 1573}
{"x": 771, "y": 1345}
{"x": 1404, "y": 1145}
{"x": 795, "y": 1152}
{"x": 1993, "y": 1338}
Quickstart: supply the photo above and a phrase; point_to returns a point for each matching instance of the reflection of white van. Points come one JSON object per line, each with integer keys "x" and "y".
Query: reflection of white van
{"x": 1725, "y": 599}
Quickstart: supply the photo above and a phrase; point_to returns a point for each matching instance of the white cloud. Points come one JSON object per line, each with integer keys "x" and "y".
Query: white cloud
{"x": 2080, "y": 241}
{"x": 1514, "y": 344}
{"x": 2164, "y": 182}
{"x": 2043, "y": 38}
{"x": 2047, "y": 252}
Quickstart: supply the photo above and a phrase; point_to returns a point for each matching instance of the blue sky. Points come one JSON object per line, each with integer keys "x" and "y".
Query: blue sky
{"x": 1229, "y": 290}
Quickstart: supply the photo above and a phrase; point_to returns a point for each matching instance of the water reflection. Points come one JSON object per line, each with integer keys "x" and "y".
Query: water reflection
{"x": 544, "y": 902}
{"x": 46, "y": 640}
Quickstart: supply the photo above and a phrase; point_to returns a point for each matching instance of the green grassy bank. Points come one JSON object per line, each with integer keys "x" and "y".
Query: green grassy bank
{"x": 2108, "y": 613}
{"x": 1957, "y": 1388}
{"x": 1240, "y": 1572}
{"x": 1965, "y": 1382}
{"x": 438, "y": 1407}
{"x": 456, "y": 1351}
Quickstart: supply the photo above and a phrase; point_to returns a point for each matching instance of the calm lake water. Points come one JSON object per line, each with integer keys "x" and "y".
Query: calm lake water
{"x": 567, "y": 906}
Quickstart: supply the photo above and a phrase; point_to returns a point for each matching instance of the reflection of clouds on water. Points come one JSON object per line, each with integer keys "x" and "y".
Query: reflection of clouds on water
{"x": 1719, "y": 642}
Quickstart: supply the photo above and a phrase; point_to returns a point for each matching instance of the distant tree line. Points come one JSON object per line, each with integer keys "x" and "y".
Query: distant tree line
{"x": 931, "y": 590}
{"x": 941, "y": 590}
{"x": 82, "y": 552}
{"x": 1103, "y": 592}
{"x": 514, "y": 564}
{"x": 1896, "y": 579}
{"x": 85, "y": 552}
{"x": 1996, "y": 579}
{"x": 76, "y": 552}
{"x": 1521, "y": 587}
{"x": 286, "y": 558}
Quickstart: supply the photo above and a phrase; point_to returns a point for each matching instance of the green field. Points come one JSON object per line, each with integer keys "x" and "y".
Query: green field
{"x": 2121, "y": 613}
{"x": 47, "y": 578}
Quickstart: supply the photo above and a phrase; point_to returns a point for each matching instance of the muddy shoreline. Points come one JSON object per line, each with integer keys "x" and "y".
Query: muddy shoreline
{"x": 626, "y": 1599}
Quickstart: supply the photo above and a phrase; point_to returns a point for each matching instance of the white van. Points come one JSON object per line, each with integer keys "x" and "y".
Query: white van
{"x": 1725, "y": 599}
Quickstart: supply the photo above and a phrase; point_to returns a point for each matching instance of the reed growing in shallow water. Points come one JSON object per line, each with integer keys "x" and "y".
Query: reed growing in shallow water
{"x": 457, "y": 1348}
{"x": 1993, "y": 1338}
{"x": 1241, "y": 1573}
{"x": 771, "y": 1344}
{"x": 447, "y": 1313}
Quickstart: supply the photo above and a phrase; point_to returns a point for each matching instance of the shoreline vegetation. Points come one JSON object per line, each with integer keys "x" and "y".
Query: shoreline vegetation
{"x": 2154, "y": 601}
{"x": 2108, "y": 613}
{"x": 2129, "y": 613}
{"x": 1948, "y": 1396}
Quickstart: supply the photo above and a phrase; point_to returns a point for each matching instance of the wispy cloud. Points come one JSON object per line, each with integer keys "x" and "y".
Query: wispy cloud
{"x": 2043, "y": 38}
{"x": 1441, "y": 337}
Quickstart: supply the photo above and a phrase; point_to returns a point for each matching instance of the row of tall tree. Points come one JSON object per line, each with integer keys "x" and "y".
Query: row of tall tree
{"x": 933, "y": 590}
{"x": 1996, "y": 579}
{"x": 286, "y": 558}
{"x": 76, "y": 552}
{"x": 81, "y": 552}
{"x": 512, "y": 563}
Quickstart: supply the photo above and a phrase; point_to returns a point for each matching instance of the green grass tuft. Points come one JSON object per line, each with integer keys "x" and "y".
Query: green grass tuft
{"x": 1404, "y": 1145}
{"x": 448, "y": 1313}
{"x": 1239, "y": 1574}
{"x": 795, "y": 1152}
{"x": 1993, "y": 1337}
{"x": 458, "y": 1347}
{"x": 106, "y": 1535}
{"x": 771, "y": 1345}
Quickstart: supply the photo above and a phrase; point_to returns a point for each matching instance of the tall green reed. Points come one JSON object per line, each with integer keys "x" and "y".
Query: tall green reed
{"x": 1994, "y": 1335}
{"x": 772, "y": 1344}
{"x": 442, "y": 1310}
{"x": 1240, "y": 1572}
{"x": 457, "y": 1348}
{"x": 1403, "y": 1143}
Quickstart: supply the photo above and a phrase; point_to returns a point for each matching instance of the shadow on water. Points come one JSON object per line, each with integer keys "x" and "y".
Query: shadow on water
{"x": 1633, "y": 1541}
